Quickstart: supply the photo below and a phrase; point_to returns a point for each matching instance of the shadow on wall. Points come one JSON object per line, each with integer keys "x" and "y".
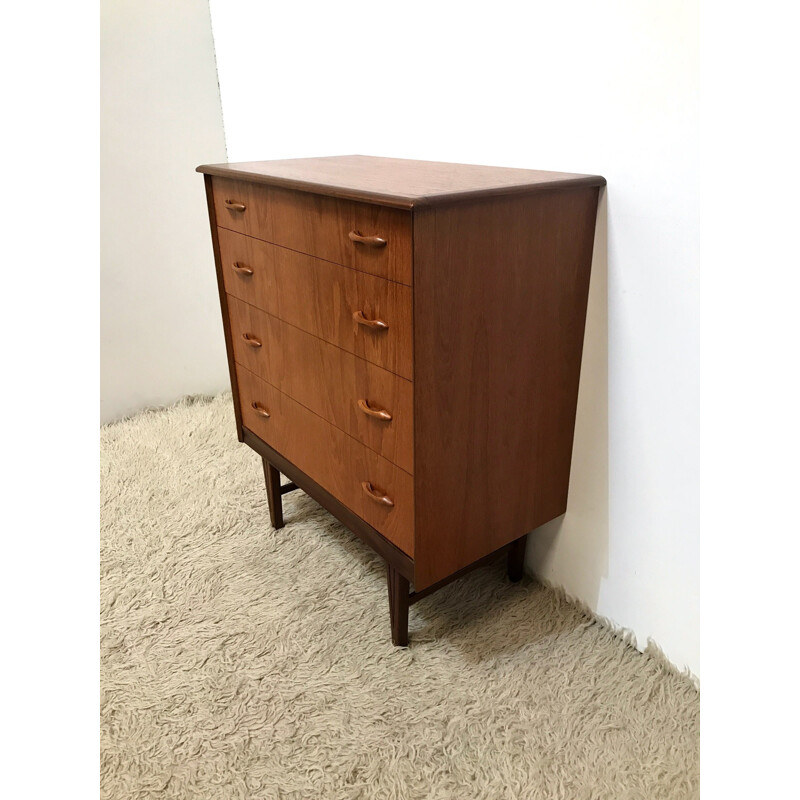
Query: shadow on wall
{"x": 572, "y": 551}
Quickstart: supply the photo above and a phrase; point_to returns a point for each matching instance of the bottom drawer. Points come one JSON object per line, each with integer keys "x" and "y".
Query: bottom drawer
{"x": 358, "y": 477}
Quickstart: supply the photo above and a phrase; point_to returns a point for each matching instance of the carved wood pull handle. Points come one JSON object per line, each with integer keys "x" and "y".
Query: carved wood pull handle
{"x": 375, "y": 495}
{"x": 241, "y": 269}
{"x": 251, "y": 340}
{"x": 234, "y": 206}
{"x": 259, "y": 409}
{"x": 369, "y": 241}
{"x": 378, "y": 413}
{"x": 375, "y": 324}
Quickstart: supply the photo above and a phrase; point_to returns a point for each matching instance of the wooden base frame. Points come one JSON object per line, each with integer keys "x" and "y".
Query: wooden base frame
{"x": 398, "y": 606}
{"x": 399, "y": 567}
{"x": 275, "y": 491}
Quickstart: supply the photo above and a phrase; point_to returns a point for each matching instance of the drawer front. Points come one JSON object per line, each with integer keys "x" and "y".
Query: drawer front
{"x": 366, "y": 237}
{"x": 321, "y": 298}
{"x": 347, "y": 391}
{"x": 333, "y": 459}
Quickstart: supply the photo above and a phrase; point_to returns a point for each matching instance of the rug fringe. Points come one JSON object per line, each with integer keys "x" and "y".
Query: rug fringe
{"x": 652, "y": 650}
{"x": 184, "y": 402}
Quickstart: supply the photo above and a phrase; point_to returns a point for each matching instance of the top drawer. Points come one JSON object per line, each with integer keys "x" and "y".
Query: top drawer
{"x": 369, "y": 238}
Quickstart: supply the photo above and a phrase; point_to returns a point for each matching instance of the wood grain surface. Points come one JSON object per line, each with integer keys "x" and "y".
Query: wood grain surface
{"x": 379, "y": 543}
{"x": 500, "y": 293}
{"x": 327, "y": 380}
{"x": 331, "y": 458}
{"x": 398, "y": 182}
{"x": 321, "y": 297}
{"x": 318, "y": 225}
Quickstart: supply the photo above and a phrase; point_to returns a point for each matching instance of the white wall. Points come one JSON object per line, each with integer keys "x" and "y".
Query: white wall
{"x": 596, "y": 86}
{"x": 161, "y": 331}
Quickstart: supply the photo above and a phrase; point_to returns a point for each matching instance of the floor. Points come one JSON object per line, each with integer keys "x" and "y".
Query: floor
{"x": 243, "y": 662}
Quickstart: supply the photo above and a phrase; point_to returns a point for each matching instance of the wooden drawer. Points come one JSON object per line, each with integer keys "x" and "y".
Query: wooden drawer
{"x": 327, "y": 380}
{"x": 320, "y": 226}
{"x": 321, "y": 298}
{"x": 336, "y": 461}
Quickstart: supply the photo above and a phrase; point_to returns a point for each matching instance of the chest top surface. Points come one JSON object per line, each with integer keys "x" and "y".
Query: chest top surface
{"x": 397, "y": 182}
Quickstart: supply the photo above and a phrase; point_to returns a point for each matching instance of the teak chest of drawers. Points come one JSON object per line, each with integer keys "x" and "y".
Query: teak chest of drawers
{"x": 404, "y": 341}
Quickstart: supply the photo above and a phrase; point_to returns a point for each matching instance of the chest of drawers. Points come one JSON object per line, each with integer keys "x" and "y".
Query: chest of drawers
{"x": 404, "y": 341}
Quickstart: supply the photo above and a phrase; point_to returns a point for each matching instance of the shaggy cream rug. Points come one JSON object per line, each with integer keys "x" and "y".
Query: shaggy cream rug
{"x": 243, "y": 662}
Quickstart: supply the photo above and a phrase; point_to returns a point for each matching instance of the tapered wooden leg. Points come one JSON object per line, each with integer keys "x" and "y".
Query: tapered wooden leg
{"x": 516, "y": 558}
{"x": 273, "y": 479}
{"x": 398, "y": 606}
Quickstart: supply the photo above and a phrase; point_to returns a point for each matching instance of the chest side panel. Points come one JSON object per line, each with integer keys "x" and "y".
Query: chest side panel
{"x": 500, "y": 294}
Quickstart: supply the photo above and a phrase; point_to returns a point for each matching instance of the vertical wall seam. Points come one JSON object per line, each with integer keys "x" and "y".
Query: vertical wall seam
{"x": 216, "y": 72}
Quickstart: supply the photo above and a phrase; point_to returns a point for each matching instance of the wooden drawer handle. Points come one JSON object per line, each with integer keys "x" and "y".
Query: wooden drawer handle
{"x": 375, "y": 495}
{"x": 234, "y": 206}
{"x": 242, "y": 270}
{"x": 375, "y": 324}
{"x": 378, "y": 413}
{"x": 259, "y": 409}
{"x": 369, "y": 241}
{"x": 251, "y": 340}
